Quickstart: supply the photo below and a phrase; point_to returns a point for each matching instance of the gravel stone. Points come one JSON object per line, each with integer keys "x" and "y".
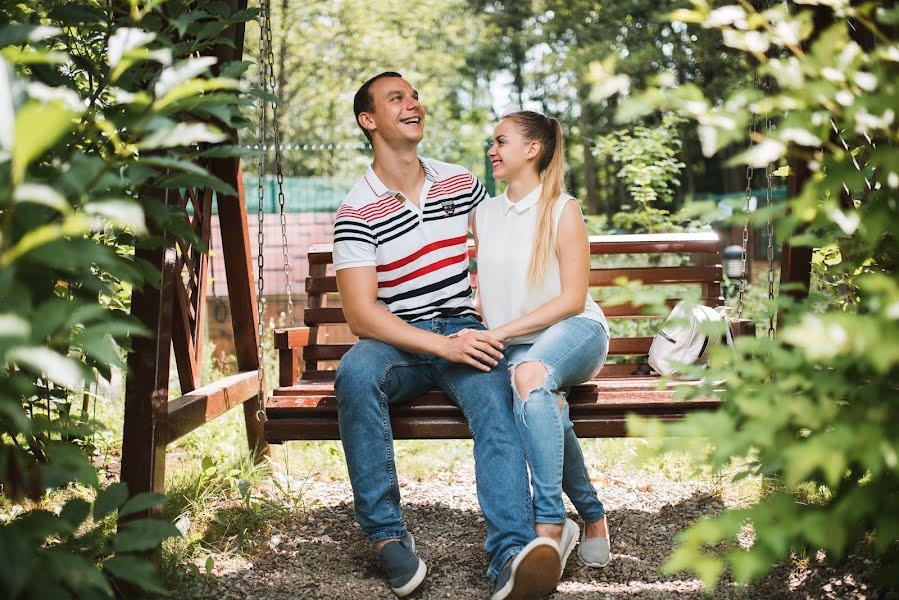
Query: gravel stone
{"x": 320, "y": 552}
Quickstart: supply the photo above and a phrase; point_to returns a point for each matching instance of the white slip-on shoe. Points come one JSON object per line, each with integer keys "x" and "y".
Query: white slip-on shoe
{"x": 533, "y": 573}
{"x": 570, "y": 532}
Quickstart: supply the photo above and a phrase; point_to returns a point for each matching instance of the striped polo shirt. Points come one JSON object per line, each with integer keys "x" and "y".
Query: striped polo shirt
{"x": 420, "y": 254}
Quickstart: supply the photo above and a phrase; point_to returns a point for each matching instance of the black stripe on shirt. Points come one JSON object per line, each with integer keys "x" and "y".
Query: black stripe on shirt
{"x": 433, "y": 287}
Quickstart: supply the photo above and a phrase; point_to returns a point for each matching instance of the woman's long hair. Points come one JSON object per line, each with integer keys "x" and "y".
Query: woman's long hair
{"x": 551, "y": 166}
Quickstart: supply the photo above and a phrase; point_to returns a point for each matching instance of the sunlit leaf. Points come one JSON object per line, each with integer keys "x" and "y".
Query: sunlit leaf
{"x": 38, "y": 126}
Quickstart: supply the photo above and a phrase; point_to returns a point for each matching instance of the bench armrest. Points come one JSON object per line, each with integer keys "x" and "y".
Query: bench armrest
{"x": 289, "y": 341}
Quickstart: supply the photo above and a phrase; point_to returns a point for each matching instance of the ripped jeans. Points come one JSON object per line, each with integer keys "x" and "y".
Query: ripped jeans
{"x": 571, "y": 351}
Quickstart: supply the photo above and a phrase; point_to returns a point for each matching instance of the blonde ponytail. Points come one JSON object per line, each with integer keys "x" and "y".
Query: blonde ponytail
{"x": 551, "y": 167}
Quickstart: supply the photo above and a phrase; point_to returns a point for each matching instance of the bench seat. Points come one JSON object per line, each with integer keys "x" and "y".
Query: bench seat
{"x": 303, "y": 406}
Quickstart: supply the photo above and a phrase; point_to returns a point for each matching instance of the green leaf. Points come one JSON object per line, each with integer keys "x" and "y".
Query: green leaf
{"x": 140, "y": 503}
{"x": 124, "y": 40}
{"x": 18, "y": 561}
{"x": 74, "y": 225}
{"x": 185, "y": 180}
{"x": 748, "y": 565}
{"x": 182, "y": 134}
{"x": 79, "y": 574}
{"x": 67, "y": 463}
{"x": 180, "y": 73}
{"x": 38, "y": 127}
{"x": 74, "y": 512}
{"x": 174, "y": 163}
{"x": 42, "y": 194}
{"x": 13, "y": 326}
{"x": 14, "y": 34}
{"x": 110, "y": 499}
{"x": 137, "y": 571}
{"x": 99, "y": 346}
{"x": 143, "y": 535}
{"x": 44, "y": 361}
{"x": 120, "y": 213}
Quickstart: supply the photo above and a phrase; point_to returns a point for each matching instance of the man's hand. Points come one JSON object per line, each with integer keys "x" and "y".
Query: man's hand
{"x": 473, "y": 347}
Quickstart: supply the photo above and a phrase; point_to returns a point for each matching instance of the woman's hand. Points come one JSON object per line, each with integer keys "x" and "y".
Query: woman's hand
{"x": 498, "y": 334}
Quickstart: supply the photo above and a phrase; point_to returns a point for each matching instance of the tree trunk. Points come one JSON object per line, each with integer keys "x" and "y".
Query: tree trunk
{"x": 587, "y": 131}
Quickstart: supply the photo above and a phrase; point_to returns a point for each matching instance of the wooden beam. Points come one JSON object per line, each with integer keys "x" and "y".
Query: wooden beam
{"x": 208, "y": 402}
{"x": 144, "y": 435}
{"x": 182, "y": 338}
{"x": 232, "y": 211}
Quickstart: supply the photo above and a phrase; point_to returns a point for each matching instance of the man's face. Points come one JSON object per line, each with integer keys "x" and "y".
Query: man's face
{"x": 398, "y": 115}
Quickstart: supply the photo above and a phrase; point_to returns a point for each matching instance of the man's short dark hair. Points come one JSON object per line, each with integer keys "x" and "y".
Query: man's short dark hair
{"x": 363, "y": 102}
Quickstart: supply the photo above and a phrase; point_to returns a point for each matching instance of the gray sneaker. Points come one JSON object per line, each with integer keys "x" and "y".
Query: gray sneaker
{"x": 570, "y": 533}
{"x": 533, "y": 573}
{"x": 404, "y": 570}
{"x": 594, "y": 552}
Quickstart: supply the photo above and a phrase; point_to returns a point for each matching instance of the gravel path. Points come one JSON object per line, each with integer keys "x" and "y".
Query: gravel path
{"x": 320, "y": 552}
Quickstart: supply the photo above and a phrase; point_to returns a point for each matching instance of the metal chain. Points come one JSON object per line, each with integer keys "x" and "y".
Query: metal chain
{"x": 279, "y": 167}
{"x": 750, "y": 172}
{"x": 769, "y": 229}
{"x": 260, "y": 213}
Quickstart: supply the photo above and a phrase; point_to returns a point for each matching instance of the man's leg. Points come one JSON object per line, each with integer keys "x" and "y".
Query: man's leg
{"x": 371, "y": 376}
{"x": 500, "y": 467}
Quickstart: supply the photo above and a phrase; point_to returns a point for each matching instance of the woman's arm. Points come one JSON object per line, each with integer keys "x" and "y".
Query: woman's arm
{"x": 574, "y": 268}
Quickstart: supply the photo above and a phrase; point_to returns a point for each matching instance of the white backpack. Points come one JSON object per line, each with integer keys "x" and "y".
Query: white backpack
{"x": 681, "y": 340}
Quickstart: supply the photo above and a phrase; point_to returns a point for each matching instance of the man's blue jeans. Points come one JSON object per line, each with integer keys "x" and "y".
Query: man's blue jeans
{"x": 374, "y": 375}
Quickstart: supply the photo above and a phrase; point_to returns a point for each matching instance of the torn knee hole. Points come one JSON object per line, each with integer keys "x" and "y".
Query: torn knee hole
{"x": 527, "y": 377}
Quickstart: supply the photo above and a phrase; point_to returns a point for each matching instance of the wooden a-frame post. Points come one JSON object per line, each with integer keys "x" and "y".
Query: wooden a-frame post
{"x": 174, "y": 315}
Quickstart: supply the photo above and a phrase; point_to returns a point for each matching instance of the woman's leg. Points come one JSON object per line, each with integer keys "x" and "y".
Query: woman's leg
{"x": 567, "y": 353}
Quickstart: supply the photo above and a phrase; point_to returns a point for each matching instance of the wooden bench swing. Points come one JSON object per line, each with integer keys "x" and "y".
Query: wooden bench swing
{"x": 303, "y": 406}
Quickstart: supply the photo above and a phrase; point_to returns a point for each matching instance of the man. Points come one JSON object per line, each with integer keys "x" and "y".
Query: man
{"x": 401, "y": 254}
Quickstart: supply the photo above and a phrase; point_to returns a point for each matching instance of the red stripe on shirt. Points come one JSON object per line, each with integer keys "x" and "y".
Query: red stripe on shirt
{"x": 445, "y": 262}
{"x": 421, "y": 252}
{"x": 451, "y": 190}
{"x": 439, "y": 187}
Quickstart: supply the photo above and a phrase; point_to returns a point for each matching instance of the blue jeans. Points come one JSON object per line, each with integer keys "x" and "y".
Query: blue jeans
{"x": 572, "y": 351}
{"x": 373, "y": 376}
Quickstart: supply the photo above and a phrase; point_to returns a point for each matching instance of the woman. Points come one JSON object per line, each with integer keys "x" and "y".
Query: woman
{"x": 533, "y": 273}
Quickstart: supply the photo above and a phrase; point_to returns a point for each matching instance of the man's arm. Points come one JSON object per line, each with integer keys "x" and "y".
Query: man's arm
{"x": 358, "y": 287}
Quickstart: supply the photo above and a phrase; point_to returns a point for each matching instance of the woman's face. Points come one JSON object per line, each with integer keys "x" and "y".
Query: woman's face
{"x": 510, "y": 153}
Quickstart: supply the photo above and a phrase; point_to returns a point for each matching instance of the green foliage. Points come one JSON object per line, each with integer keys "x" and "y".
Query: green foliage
{"x": 816, "y": 408}
{"x": 99, "y": 105}
{"x": 649, "y": 169}
{"x": 75, "y": 552}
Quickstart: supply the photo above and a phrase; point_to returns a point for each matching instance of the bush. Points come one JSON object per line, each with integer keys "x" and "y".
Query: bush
{"x": 815, "y": 408}
{"x": 99, "y": 104}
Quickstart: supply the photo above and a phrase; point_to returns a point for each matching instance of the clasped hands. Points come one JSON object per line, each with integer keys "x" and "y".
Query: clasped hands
{"x": 481, "y": 349}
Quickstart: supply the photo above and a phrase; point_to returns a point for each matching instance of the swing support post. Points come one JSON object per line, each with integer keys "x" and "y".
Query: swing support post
{"x": 151, "y": 421}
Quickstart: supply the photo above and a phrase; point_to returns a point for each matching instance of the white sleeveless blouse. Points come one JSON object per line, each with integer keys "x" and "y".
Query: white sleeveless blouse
{"x": 506, "y": 233}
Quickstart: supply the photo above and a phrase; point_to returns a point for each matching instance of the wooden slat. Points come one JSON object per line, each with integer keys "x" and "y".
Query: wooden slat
{"x": 288, "y": 367}
{"x": 617, "y": 347}
{"x": 658, "y": 275}
{"x": 208, "y": 402}
{"x": 335, "y": 316}
{"x": 663, "y": 243}
{"x": 598, "y": 277}
{"x": 183, "y": 341}
{"x": 594, "y": 413}
{"x": 293, "y": 337}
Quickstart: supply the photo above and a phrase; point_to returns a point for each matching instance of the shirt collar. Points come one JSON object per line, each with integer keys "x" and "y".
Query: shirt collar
{"x": 523, "y": 204}
{"x": 380, "y": 190}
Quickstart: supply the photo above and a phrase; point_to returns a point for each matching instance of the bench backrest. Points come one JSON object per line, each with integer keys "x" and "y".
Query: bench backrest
{"x": 696, "y": 258}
